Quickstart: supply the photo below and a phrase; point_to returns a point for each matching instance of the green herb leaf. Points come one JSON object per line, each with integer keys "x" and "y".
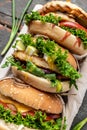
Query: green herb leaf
{"x": 79, "y": 33}
{"x": 80, "y": 125}
{"x": 36, "y": 122}
{"x": 11, "y": 61}
{"x": 59, "y": 58}
{"x": 54, "y": 81}
{"x": 26, "y": 39}
{"x": 47, "y": 18}
{"x": 30, "y": 67}
{"x": 54, "y": 52}
{"x": 64, "y": 67}
{"x": 15, "y": 25}
{"x": 73, "y": 82}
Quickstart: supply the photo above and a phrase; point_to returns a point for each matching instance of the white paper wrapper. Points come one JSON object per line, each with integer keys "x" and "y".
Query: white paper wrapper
{"x": 75, "y": 97}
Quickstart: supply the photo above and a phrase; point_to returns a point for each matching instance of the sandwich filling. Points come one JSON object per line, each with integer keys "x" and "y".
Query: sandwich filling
{"x": 13, "y": 112}
{"x": 22, "y": 104}
{"x": 73, "y": 27}
{"x": 52, "y": 55}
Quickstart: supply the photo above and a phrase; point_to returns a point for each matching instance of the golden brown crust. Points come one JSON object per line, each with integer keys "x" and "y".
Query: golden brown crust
{"x": 61, "y": 36}
{"x": 63, "y": 16}
{"x": 3, "y": 128}
{"x": 34, "y": 59}
{"x": 67, "y": 7}
{"x": 41, "y": 62}
{"x": 39, "y": 82}
{"x": 30, "y": 96}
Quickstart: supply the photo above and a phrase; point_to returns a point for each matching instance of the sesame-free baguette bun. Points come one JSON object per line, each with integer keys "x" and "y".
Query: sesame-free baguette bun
{"x": 31, "y": 97}
{"x": 78, "y": 13}
{"x": 56, "y": 33}
{"x": 39, "y": 82}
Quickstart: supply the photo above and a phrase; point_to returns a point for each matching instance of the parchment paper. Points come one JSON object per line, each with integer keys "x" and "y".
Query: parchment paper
{"x": 75, "y": 97}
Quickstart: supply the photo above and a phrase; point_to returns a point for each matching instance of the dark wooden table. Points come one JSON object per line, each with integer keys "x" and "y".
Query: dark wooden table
{"x": 5, "y": 29}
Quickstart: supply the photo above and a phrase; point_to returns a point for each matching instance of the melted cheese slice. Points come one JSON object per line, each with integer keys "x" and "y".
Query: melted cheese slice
{"x": 68, "y": 0}
{"x": 50, "y": 62}
{"x": 19, "y": 106}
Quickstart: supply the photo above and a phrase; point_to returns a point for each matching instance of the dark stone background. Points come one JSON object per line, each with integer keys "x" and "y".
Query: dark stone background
{"x": 5, "y": 29}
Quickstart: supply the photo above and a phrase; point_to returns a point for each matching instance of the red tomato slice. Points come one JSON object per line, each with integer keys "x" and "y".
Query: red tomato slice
{"x": 48, "y": 118}
{"x": 32, "y": 113}
{"x": 9, "y": 106}
{"x": 3, "y": 104}
{"x": 52, "y": 116}
{"x": 72, "y": 25}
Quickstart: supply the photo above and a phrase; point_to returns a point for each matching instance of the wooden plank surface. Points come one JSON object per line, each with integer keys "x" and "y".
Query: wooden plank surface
{"x": 5, "y": 8}
{"x": 5, "y": 29}
{"x": 4, "y": 36}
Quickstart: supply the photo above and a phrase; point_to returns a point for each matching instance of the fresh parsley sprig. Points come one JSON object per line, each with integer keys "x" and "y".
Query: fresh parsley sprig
{"x": 15, "y": 25}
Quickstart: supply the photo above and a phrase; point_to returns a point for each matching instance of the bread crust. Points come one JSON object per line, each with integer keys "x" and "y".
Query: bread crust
{"x": 22, "y": 56}
{"x": 63, "y": 16}
{"x": 79, "y": 14}
{"x": 39, "y": 82}
{"x": 30, "y": 96}
{"x": 59, "y": 35}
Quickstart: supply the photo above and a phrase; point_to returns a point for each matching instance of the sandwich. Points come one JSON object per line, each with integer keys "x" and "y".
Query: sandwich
{"x": 24, "y": 107}
{"x": 43, "y": 64}
{"x": 62, "y": 22}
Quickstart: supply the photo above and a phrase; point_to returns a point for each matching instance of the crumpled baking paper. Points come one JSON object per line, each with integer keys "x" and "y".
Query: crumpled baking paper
{"x": 75, "y": 97}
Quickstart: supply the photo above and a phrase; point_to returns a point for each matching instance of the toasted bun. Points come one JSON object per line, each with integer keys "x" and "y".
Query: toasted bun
{"x": 41, "y": 62}
{"x": 79, "y": 14}
{"x": 59, "y": 35}
{"x": 30, "y": 96}
{"x": 63, "y": 16}
{"x": 39, "y": 82}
